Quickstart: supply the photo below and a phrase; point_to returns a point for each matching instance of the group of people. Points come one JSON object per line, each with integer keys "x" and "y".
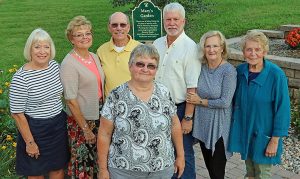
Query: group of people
{"x": 135, "y": 110}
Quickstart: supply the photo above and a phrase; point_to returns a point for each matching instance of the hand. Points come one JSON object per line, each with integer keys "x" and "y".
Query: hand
{"x": 179, "y": 166}
{"x": 103, "y": 174}
{"x": 271, "y": 150}
{"x": 193, "y": 98}
{"x": 186, "y": 126}
{"x": 89, "y": 136}
{"x": 32, "y": 149}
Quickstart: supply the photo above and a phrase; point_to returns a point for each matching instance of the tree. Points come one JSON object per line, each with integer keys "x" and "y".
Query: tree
{"x": 193, "y": 6}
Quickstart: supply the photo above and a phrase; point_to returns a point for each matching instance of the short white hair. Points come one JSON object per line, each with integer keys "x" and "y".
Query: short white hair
{"x": 38, "y": 35}
{"x": 175, "y": 6}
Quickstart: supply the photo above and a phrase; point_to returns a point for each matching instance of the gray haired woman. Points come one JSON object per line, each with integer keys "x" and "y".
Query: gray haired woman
{"x": 139, "y": 127}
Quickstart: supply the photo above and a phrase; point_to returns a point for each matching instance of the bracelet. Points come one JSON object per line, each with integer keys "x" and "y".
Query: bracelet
{"x": 85, "y": 127}
{"x": 29, "y": 143}
{"x": 87, "y": 132}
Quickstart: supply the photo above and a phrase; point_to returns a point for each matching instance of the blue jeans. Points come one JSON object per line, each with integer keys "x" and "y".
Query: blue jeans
{"x": 188, "y": 140}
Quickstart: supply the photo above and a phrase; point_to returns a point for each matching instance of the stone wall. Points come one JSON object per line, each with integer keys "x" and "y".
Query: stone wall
{"x": 291, "y": 67}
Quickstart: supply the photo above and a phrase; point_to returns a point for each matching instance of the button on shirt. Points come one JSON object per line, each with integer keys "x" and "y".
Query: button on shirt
{"x": 179, "y": 65}
{"x": 115, "y": 64}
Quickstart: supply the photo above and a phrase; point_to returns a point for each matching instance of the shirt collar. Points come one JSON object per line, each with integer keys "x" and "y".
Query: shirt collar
{"x": 181, "y": 36}
{"x": 126, "y": 48}
{"x": 262, "y": 77}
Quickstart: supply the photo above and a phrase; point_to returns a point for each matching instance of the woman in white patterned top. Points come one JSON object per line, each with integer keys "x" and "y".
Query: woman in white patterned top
{"x": 139, "y": 128}
{"x": 35, "y": 104}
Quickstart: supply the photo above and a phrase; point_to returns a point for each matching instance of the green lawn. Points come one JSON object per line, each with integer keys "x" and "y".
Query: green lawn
{"x": 233, "y": 17}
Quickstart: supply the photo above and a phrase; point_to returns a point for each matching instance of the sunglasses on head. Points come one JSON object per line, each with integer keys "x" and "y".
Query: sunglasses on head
{"x": 150, "y": 66}
{"x": 115, "y": 25}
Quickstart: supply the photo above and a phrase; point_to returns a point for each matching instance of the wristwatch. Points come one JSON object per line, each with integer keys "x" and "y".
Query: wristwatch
{"x": 188, "y": 118}
{"x": 201, "y": 102}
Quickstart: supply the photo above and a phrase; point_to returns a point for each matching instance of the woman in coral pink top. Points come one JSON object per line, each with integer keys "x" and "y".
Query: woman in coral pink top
{"x": 82, "y": 78}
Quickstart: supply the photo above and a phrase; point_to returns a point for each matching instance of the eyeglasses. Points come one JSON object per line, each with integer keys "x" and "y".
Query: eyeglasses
{"x": 212, "y": 46}
{"x": 150, "y": 66}
{"x": 88, "y": 34}
{"x": 254, "y": 50}
{"x": 115, "y": 25}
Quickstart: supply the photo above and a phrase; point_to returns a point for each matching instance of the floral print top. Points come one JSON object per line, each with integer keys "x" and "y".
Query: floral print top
{"x": 141, "y": 138}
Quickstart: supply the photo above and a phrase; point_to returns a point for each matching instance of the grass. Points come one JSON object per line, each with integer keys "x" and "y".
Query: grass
{"x": 232, "y": 17}
{"x": 236, "y": 17}
{"x": 19, "y": 18}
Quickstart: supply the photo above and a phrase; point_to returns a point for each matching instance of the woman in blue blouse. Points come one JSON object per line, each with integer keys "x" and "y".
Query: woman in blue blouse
{"x": 216, "y": 86}
{"x": 261, "y": 113}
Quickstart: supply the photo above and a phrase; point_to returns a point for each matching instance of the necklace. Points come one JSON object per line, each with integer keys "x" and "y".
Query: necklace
{"x": 86, "y": 61}
{"x": 211, "y": 71}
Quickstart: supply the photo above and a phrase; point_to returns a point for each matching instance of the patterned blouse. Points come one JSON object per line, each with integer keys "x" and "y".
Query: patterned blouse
{"x": 141, "y": 139}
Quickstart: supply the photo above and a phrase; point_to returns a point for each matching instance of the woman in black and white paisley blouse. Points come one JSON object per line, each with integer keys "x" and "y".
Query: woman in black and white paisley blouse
{"x": 139, "y": 129}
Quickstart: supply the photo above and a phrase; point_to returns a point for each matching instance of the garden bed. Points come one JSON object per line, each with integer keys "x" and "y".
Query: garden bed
{"x": 277, "y": 47}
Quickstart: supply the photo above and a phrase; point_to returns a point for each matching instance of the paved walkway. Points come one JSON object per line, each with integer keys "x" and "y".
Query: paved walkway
{"x": 235, "y": 168}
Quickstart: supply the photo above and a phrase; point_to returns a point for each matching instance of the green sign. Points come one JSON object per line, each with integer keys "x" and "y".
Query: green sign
{"x": 147, "y": 25}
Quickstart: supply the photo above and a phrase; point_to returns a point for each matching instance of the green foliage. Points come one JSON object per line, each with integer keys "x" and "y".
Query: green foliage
{"x": 7, "y": 154}
{"x": 8, "y": 132}
{"x": 233, "y": 18}
{"x": 295, "y": 121}
{"x": 19, "y": 18}
{"x": 192, "y": 6}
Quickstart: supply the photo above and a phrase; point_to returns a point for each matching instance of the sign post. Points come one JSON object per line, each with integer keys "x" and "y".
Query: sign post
{"x": 147, "y": 22}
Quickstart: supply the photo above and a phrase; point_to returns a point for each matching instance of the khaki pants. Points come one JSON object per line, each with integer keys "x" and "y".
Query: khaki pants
{"x": 258, "y": 171}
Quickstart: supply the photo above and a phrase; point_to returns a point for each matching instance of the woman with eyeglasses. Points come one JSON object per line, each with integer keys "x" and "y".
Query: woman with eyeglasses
{"x": 261, "y": 111}
{"x": 139, "y": 127}
{"x": 213, "y": 100}
{"x": 82, "y": 79}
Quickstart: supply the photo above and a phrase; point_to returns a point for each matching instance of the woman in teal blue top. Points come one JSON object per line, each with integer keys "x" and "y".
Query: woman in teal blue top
{"x": 261, "y": 112}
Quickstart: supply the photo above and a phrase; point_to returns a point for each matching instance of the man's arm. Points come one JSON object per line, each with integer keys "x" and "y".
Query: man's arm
{"x": 187, "y": 126}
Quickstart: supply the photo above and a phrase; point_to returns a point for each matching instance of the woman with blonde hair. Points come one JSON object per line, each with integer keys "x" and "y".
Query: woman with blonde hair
{"x": 83, "y": 79}
{"x": 36, "y": 105}
{"x": 213, "y": 100}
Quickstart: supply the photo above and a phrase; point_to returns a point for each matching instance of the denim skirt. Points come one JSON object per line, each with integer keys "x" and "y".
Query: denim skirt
{"x": 51, "y": 137}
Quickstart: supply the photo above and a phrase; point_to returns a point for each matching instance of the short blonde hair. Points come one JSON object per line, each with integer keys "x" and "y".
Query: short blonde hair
{"x": 38, "y": 35}
{"x": 75, "y": 24}
{"x": 256, "y": 36}
{"x": 211, "y": 34}
{"x": 143, "y": 50}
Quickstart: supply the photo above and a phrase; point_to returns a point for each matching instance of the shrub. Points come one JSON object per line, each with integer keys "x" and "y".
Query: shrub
{"x": 8, "y": 131}
{"x": 295, "y": 121}
{"x": 193, "y": 6}
{"x": 293, "y": 38}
